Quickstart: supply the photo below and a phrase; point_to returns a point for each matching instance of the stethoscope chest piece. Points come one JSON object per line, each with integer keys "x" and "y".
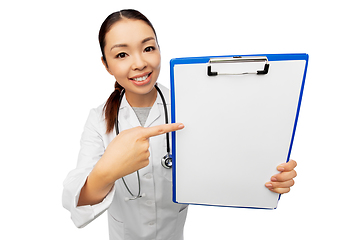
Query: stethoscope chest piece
{"x": 167, "y": 161}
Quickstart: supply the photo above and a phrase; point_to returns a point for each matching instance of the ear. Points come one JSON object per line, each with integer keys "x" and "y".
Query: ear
{"x": 106, "y": 66}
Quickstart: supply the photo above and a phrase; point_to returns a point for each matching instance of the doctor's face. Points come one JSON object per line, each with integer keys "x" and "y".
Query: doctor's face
{"x": 133, "y": 56}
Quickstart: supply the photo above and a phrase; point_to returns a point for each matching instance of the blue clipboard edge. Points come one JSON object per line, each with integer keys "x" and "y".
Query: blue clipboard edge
{"x": 199, "y": 60}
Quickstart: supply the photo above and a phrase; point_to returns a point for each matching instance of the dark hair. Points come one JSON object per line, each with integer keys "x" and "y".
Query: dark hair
{"x": 111, "y": 106}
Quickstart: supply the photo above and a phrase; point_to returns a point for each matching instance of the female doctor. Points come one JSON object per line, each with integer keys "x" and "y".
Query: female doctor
{"x": 139, "y": 205}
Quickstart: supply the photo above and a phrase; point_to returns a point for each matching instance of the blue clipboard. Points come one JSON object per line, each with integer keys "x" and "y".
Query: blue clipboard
{"x": 240, "y": 115}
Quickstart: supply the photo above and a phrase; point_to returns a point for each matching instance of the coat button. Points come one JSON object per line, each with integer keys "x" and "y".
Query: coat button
{"x": 150, "y": 202}
{"x": 148, "y": 175}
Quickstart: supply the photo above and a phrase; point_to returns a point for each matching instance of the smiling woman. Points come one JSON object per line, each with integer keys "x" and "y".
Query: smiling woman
{"x": 132, "y": 57}
{"x": 103, "y": 178}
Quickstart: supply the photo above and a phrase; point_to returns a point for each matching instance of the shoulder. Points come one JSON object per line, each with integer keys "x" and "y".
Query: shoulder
{"x": 98, "y": 110}
{"x": 165, "y": 92}
{"x": 96, "y": 118}
{"x": 163, "y": 88}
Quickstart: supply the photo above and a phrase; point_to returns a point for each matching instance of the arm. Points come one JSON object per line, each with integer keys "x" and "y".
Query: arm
{"x": 87, "y": 189}
{"x": 96, "y": 187}
{"x": 91, "y": 151}
{"x": 127, "y": 153}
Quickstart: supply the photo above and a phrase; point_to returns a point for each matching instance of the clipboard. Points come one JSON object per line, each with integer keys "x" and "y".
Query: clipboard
{"x": 240, "y": 115}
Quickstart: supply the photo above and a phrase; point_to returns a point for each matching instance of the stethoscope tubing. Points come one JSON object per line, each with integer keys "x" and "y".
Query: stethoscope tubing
{"x": 134, "y": 197}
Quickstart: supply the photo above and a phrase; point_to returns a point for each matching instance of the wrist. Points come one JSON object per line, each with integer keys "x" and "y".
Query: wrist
{"x": 104, "y": 173}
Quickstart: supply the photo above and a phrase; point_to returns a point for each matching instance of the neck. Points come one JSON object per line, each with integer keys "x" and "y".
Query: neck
{"x": 141, "y": 100}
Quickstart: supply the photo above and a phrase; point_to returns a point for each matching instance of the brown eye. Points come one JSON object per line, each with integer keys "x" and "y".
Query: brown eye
{"x": 149, "y": 49}
{"x": 121, "y": 55}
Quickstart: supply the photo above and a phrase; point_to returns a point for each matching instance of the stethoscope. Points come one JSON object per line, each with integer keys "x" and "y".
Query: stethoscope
{"x": 166, "y": 161}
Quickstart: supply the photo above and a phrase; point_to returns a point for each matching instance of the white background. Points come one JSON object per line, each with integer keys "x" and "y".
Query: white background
{"x": 51, "y": 76}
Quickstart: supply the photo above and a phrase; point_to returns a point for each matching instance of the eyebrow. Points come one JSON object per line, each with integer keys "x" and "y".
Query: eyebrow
{"x": 148, "y": 39}
{"x": 125, "y": 45}
{"x": 119, "y": 46}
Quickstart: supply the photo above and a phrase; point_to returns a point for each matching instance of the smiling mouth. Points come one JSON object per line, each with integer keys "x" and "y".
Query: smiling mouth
{"x": 140, "y": 79}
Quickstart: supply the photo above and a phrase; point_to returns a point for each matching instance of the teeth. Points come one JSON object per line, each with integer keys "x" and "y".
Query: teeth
{"x": 139, "y": 79}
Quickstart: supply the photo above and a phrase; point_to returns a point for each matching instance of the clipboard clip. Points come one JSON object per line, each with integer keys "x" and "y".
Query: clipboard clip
{"x": 239, "y": 59}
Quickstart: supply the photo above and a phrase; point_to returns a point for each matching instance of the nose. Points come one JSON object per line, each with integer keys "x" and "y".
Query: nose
{"x": 139, "y": 62}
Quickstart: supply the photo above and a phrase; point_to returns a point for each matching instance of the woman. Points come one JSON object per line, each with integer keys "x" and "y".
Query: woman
{"x": 139, "y": 206}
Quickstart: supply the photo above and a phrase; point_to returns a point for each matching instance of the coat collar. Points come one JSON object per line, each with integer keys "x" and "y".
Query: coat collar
{"x": 127, "y": 115}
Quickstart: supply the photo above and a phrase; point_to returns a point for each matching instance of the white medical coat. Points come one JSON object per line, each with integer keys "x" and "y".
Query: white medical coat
{"x": 153, "y": 216}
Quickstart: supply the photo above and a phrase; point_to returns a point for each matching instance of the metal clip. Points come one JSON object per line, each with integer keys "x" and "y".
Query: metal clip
{"x": 238, "y": 59}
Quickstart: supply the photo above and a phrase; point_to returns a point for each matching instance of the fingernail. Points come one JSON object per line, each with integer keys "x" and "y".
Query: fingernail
{"x": 180, "y": 126}
{"x": 269, "y": 185}
{"x": 280, "y": 168}
{"x": 273, "y": 179}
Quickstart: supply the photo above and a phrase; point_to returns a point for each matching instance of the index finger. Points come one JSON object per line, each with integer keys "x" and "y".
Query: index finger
{"x": 161, "y": 129}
